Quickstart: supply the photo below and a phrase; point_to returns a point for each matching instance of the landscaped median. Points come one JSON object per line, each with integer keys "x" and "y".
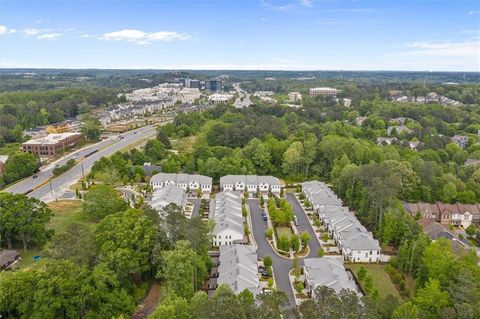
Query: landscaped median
{"x": 282, "y": 233}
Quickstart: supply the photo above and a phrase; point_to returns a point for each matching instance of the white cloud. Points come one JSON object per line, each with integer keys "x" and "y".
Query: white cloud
{"x": 49, "y": 36}
{"x": 469, "y": 48}
{"x": 5, "y": 30}
{"x": 474, "y": 12}
{"x": 141, "y": 37}
{"x": 306, "y": 3}
{"x": 31, "y": 31}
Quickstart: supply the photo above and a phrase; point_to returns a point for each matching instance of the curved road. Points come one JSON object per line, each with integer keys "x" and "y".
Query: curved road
{"x": 40, "y": 187}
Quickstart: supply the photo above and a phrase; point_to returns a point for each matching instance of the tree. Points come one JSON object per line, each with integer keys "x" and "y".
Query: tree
{"x": 124, "y": 241}
{"x": 295, "y": 242}
{"x": 431, "y": 299}
{"x": 20, "y": 165}
{"x": 406, "y": 311}
{"x": 101, "y": 201}
{"x": 25, "y": 218}
{"x": 299, "y": 287}
{"x": 75, "y": 244}
{"x": 173, "y": 307}
{"x": 199, "y": 305}
{"x": 304, "y": 238}
{"x": 92, "y": 128}
{"x": 163, "y": 138}
{"x": 361, "y": 273}
{"x": 183, "y": 270}
{"x": 270, "y": 305}
{"x": 225, "y": 305}
{"x": 155, "y": 150}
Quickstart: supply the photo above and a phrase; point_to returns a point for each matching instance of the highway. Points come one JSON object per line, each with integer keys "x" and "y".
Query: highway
{"x": 243, "y": 99}
{"x": 41, "y": 188}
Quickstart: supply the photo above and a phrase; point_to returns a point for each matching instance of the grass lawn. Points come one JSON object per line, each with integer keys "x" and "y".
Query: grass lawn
{"x": 184, "y": 145}
{"x": 66, "y": 212}
{"x": 284, "y": 230}
{"x": 27, "y": 259}
{"x": 380, "y": 278}
{"x": 9, "y": 149}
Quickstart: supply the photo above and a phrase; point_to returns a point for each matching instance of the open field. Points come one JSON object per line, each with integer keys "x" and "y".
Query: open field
{"x": 380, "y": 278}
{"x": 67, "y": 212}
{"x": 184, "y": 145}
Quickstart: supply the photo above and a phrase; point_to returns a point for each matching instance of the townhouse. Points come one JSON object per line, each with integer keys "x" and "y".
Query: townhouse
{"x": 354, "y": 241}
{"x": 187, "y": 182}
{"x": 456, "y": 214}
{"x": 226, "y": 211}
{"x": 329, "y": 272}
{"x": 238, "y": 268}
{"x": 251, "y": 183}
{"x": 170, "y": 194}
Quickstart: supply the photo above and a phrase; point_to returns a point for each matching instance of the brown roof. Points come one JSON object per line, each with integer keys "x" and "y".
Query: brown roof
{"x": 472, "y": 209}
{"x": 452, "y": 208}
{"x": 425, "y": 209}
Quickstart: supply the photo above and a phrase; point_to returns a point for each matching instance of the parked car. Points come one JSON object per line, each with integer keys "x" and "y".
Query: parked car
{"x": 264, "y": 216}
{"x": 35, "y": 176}
{"x": 296, "y": 220}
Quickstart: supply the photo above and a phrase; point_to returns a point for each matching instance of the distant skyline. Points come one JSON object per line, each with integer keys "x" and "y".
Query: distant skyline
{"x": 408, "y": 35}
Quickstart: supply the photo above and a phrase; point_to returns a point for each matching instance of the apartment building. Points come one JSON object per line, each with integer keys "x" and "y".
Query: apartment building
{"x": 52, "y": 144}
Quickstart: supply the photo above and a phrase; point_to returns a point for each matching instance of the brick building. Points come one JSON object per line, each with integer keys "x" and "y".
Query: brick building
{"x": 52, "y": 144}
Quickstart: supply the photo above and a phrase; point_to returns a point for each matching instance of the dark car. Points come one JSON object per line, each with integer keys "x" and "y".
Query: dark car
{"x": 35, "y": 176}
{"x": 264, "y": 216}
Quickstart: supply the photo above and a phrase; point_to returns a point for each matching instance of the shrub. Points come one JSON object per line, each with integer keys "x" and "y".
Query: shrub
{"x": 283, "y": 243}
{"x": 301, "y": 196}
{"x": 295, "y": 243}
{"x": 267, "y": 261}
{"x": 299, "y": 287}
{"x": 270, "y": 282}
{"x": 317, "y": 222}
{"x": 269, "y": 233}
{"x": 361, "y": 273}
{"x": 325, "y": 237}
{"x": 244, "y": 211}
{"x": 320, "y": 252}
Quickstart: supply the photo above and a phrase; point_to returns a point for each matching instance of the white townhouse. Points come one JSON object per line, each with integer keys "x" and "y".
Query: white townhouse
{"x": 226, "y": 211}
{"x": 188, "y": 182}
{"x": 251, "y": 183}
{"x": 238, "y": 268}
{"x": 170, "y": 194}
{"x": 327, "y": 271}
{"x": 354, "y": 241}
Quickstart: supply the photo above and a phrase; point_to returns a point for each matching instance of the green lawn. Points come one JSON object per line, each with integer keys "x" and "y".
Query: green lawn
{"x": 66, "y": 212}
{"x": 380, "y": 278}
{"x": 27, "y": 259}
{"x": 284, "y": 230}
{"x": 183, "y": 145}
{"x": 9, "y": 149}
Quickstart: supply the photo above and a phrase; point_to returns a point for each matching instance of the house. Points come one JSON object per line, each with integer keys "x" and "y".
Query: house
{"x": 238, "y": 268}
{"x": 329, "y": 272}
{"x": 456, "y": 214}
{"x": 170, "y": 194}
{"x": 435, "y": 231}
{"x": 8, "y": 258}
{"x": 386, "y": 140}
{"x": 294, "y": 96}
{"x": 185, "y": 181}
{"x": 460, "y": 140}
{"x": 399, "y": 120}
{"x": 226, "y": 212}
{"x": 251, "y": 183}
{"x": 360, "y": 119}
{"x": 354, "y": 241}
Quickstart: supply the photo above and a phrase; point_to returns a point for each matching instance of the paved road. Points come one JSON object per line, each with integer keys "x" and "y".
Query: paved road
{"x": 281, "y": 266}
{"x": 239, "y": 102}
{"x": 49, "y": 191}
{"x": 196, "y": 208}
{"x": 304, "y": 225}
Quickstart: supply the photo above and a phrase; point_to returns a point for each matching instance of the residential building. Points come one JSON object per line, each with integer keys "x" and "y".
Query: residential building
{"x": 456, "y": 214}
{"x": 435, "y": 230}
{"x": 359, "y": 120}
{"x": 263, "y": 93}
{"x": 238, "y": 268}
{"x": 220, "y": 98}
{"x": 226, "y": 211}
{"x": 399, "y": 129}
{"x": 251, "y": 183}
{"x": 354, "y": 241}
{"x": 347, "y": 102}
{"x": 52, "y": 144}
{"x": 213, "y": 85}
{"x": 294, "y": 96}
{"x": 170, "y": 194}
{"x": 328, "y": 272}
{"x": 323, "y": 91}
{"x": 8, "y": 258}
{"x": 386, "y": 140}
{"x": 186, "y": 182}
{"x": 460, "y": 140}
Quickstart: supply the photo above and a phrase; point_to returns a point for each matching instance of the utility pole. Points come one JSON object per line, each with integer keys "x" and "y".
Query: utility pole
{"x": 51, "y": 189}
{"x": 83, "y": 172}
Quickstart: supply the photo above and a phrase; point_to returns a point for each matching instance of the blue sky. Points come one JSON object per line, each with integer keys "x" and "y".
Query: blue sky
{"x": 432, "y": 35}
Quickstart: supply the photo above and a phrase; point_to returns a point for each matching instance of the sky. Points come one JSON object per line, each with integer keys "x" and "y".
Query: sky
{"x": 423, "y": 35}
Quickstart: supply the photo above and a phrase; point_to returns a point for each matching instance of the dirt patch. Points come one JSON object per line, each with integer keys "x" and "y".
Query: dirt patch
{"x": 148, "y": 304}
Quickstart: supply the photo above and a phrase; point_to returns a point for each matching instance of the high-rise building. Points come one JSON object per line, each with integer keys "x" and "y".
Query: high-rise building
{"x": 195, "y": 84}
{"x": 213, "y": 85}
{"x": 324, "y": 91}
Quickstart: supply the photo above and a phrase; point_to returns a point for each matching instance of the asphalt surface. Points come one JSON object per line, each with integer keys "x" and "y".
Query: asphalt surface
{"x": 41, "y": 188}
{"x": 281, "y": 266}
{"x": 304, "y": 225}
{"x": 196, "y": 208}
{"x": 239, "y": 103}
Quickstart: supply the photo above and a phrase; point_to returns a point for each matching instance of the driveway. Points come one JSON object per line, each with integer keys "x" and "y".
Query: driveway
{"x": 196, "y": 208}
{"x": 281, "y": 266}
{"x": 304, "y": 225}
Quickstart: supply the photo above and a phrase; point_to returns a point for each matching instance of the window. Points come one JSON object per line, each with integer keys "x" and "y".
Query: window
{"x": 370, "y": 252}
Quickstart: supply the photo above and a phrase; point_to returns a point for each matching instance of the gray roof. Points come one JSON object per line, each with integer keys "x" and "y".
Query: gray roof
{"x": 249, "y": 179}
{"x": 7, "y": 256}
{"x": 361, "y": 241}
{"x": 168, "y": 195}
{"x": 327, "y": 271}
{"x": 181, "y": 178}
{"x": 238, "y": 268}
{"x": 226, "y": 211}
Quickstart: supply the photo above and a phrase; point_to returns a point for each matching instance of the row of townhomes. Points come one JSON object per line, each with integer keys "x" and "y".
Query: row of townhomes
{"x": 170, "y": 194}
{"x": 354, "y": 241}
{"x": 226, "y": 211}
{"x": 187, "y": 182}
{"x": 462, "y": 215}
{"x": 238, "y": 268}
{"x": 251, "y": 184}
{"x": 327, "y": 271}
